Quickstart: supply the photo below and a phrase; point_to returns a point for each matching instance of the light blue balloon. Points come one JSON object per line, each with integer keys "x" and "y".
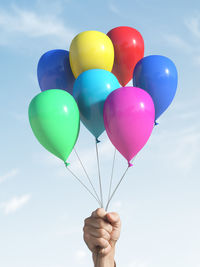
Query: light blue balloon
{"x": 90, "y": 90}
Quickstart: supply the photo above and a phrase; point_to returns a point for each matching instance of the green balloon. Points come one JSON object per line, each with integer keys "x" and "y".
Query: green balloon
{"x": 55, "y": 121}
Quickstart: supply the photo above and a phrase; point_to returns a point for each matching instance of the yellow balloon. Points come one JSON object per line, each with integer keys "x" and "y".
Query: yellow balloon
{"x": 91, "y": 50}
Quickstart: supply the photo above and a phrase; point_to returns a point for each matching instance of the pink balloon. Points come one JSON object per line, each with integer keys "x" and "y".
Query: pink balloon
{"x": 129, "y": 116}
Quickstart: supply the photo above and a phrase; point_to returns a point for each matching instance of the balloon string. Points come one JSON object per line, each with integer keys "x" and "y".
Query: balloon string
{"x": 101, "y": 193}
{"x": 119, "y": 184}
{"x": 116, "y": 188}
{"x": 82, "y": 183}
{"x": 87, "y": 176}
{"x": 111, "y": 179}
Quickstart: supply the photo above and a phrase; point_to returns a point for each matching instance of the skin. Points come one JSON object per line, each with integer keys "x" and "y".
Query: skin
{"x": 101, "y": 232}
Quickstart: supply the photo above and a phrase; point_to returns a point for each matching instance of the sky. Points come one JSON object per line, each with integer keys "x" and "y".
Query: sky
{"x": 42, "y": 207}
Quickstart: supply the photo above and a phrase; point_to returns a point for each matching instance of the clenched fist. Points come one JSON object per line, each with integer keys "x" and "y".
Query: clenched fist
{"x": 101, "y": 232}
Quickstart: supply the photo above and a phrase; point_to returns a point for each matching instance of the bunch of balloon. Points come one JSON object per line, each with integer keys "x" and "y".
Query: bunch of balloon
{"x": 88, "y": 83}
{"x": 93, "y": 55}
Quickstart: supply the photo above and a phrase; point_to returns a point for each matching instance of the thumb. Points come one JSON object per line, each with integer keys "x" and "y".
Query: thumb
{"x": 113, "y": 219}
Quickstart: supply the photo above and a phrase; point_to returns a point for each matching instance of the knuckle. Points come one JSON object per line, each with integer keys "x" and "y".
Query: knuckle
{"x": 102, "y": 242}
{"x": 109, "y": 228}
{"x": 85, "y": 228}
{"x": 93, "y": 213}
{"x": 98, "y": 221}
{"x": 85, "y": 221}
{"x": 103, "y": 233}
{"x": 101, "y": 223}
{"x": 98, "y": 212}
{"x": 86, "y": 236}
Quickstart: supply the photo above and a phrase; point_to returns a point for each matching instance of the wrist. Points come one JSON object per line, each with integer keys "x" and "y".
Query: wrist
{"x": 104, "y": 260}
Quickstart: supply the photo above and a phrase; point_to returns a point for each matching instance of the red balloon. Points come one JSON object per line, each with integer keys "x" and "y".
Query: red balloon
{"x": 129, "y": 49}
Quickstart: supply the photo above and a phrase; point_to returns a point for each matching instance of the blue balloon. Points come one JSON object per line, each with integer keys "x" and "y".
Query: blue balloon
{"x": 158, "y": 76}
{"x": 54, "y": 71}
{"x": 91, "y": 89}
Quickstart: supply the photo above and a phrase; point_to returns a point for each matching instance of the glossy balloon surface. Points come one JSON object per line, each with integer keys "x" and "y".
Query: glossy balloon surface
{"x": 158, "y": 76}
{"x": 90, "y": 91}
{"x": 54, "y": 71}
{"x": 54, "y": 119}
{"x": 91, "y": 50}
{"x": 129, "y": 119}
{"x": 129, "y": 49}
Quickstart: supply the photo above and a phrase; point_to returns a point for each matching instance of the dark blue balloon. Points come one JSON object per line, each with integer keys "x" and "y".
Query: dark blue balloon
{"x": 158, "y": 76}
{"x": 54, "y": 71}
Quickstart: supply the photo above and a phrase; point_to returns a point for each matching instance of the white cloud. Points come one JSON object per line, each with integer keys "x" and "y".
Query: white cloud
{"x": 193, "y": 25}
{"x": 21, "y": 117}
{"x": 8, "y": 175}
{"x": 196, "y": 60}
{"x": 113, "y": 8}
{"x": 138, "y": 263}
{"x": 80, "y": 255}
{"x": 191, "y": 47}
{"x": 30, "y": 24}
{"x": 185, "y": 145}
{"x": 15, "y": 203}
{"x": 187, "y": 150}
{"x": 178, "y": 42}
{"x": 116, "y": 205}
{"x": 70, "y": 231}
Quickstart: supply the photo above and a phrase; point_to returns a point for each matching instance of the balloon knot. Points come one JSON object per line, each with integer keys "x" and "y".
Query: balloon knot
{"x": 130, "y": 164}
{"x": 97, "y": 140}
{"x": 156, "y": 123}
{"x": 67, "y": 164}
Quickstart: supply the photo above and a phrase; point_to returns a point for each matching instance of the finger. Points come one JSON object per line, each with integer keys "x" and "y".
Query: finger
{"x": 88, "y": 242}
{"x": 98, "y": 224}
{"x": 99, "y": 242}
{"x": 105, "y": 251}
{"x": 97, "y": 232}
{"x": 99, "y": 213}
{"x": 114, "y": 219}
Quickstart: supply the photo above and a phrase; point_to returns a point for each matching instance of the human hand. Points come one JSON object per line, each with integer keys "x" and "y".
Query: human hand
{"x": 101, "y": 232}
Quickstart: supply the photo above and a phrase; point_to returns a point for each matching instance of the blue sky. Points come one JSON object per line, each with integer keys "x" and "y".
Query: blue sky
{"x": 42, "y": 207}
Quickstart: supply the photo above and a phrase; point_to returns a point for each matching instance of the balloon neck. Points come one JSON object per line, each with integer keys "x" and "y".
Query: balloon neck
{"x": 156, "y": 123}
{"x": 97, "y": 140}
{"x": 66, "y": 164}
{"x": 130, "y": 164}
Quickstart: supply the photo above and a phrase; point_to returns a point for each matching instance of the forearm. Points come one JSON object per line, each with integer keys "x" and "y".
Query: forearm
{"x": 104, "y": 261}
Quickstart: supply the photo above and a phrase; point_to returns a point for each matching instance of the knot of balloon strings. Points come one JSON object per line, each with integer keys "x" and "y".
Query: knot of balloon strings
{"x": 97, "y": 140}
{"x": 130, "y": 164}
{"x": 66, "y": 164}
